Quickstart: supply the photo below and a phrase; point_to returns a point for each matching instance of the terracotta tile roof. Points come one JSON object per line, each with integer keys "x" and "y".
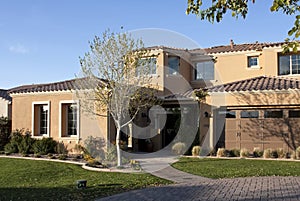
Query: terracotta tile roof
{"x": 4, "y": 95}
{"x": 258, "y": 84}
{"x": 67, "y": 85}
{"x": 240, "y": 47}
{"x": 185, "y": 95}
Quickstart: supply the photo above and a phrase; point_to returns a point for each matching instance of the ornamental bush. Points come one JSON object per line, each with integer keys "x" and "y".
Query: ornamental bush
{"x": 179, "y": 148}
{"x": 44, "y": 146}
{"x": 196, "y": 151}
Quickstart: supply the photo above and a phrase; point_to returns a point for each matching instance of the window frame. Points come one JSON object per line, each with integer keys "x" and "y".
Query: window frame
{"x": 290, "y": 66}
{"x": 39, "y": 135}
{"x": 294, "y": 116}
{"x": 151, "y": 69}
{"x": 250, "y": 112}
{"x": 271, "y": 117}
{"x": 174, "y": 71}
{"x": 64, "y": 134}
{"x": 204, "y": 69}
{"x": 251, "y": 57}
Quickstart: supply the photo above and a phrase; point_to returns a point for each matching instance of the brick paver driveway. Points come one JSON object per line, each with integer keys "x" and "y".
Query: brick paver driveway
{"x": 254, "y": 188}
{"x": 192, "y": 187}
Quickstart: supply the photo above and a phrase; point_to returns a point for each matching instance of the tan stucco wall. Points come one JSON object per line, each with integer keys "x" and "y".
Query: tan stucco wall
{"x": 22, "y": 116}
{"x": 230, "y": 67}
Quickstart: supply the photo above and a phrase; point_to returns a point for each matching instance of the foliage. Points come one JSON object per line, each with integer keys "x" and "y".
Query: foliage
{"x": 119, "y": 85}
{"x": 5, "y": 130}
{"x": 25, "y": 146}
{"x": 233, "y": 168}
{"x": 221, "y": 152}
{"x": 267, "y": 153}
{"x": 60, "y": 148}
{"x": 95, "y": 146}
{"x": 95, "y": 163}
{"x": 14, "y": 142}
{"x": 234, "y": 153}
{"x": 44, "y": 180}
{"x": 44, "y": 146}
{"x": 135, "y": 165}
{"x": 257, "y": 152}
{"x": 62, "y": 157}
{"x": 244, "y": 152}
{"x": 200, "y": 94}
{"x": 219, "y": 8}
{"x": 111, "y": 154}
{"x": 196, "y": 150}
{"x": 282, "y": 153}
{"x": 179, "y": 148}
{"x": 297, "y": 153}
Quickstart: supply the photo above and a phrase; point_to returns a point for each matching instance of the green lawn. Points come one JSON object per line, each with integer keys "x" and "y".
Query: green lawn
{"x": 232, "y": 168}
{"x": 42, "y": 180}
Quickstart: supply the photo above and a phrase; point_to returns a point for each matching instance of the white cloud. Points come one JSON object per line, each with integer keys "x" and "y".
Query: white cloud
{"x": 19, "y": 49}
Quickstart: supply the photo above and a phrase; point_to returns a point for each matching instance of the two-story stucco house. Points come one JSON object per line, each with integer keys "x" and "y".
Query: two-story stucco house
{"x": 253, "y": 100}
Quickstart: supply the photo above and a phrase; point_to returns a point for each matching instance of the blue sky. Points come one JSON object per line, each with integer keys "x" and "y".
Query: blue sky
{"x": 41, "y": 40}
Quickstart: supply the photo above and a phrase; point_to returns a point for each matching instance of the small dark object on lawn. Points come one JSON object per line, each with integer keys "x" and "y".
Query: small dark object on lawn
{"x": 81, "y": 183}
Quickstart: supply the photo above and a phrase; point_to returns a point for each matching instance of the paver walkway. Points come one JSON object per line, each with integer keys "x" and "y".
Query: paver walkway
{"x": 192, "y": 187}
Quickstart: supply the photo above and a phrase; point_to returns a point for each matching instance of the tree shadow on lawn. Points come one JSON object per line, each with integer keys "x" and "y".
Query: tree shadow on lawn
{"x": 61, "y": 193}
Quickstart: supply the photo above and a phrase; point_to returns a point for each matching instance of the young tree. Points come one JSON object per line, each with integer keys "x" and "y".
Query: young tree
{"x": 219, "y": 8}
{"x": 118, "y": 72}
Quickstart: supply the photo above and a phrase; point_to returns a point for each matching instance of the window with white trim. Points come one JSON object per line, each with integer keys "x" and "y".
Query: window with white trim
{"x": 253, "y": 62}
{"x": 289, "y": 64}
{"x": 205, "y": 70}
{"x": 40, "y": 118}
{"x": 146, "y": 66}
{"x": 69, "y": 121}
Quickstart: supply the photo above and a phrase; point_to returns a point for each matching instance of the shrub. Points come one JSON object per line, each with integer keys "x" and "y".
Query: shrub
{"x": 60, "y": 148}
{"x": 44, "y": 146}
{"x": 15, "y": 140}
{"x": 5, "y": 130}
{"x": 297, "y": 153}
{"x": 62, "y": 157}
{"x": 257, "y": 152}
{"x": 282, "y": 153}
{"x": 25, "y": 146}
{"x": 11, "y": 148}
{"x": 95, "y": 146}
{"x": 274, "y": 153}
{"x": 234, "y": 153}
{"x": 244, "y": 153}
{"x": 179, "y": 148}
{"x": 135, "y": 165}
{"x": 221, "y": 152}
{"x": 267, "y": 153}
{"x": 80, "y": 149}
{"x": 196, "y": 150}
{"x": 212, "y": 152}
{"x": 111, "y": 154}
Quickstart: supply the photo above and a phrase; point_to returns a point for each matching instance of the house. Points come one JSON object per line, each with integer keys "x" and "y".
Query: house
{"x": 253, "y": 101}
{"x": 53, "y": 110}
{"x": 5, "y": 104}
{"x": 257, "y": 104}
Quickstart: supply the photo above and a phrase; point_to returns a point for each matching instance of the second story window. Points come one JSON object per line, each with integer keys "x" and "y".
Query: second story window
{"x": 252, "y": 61}
{"x": 289, "y": 64}
{"x": 146, "y": 66}
{"x": 205, "y": 70}
{"x": 173, "y": 64}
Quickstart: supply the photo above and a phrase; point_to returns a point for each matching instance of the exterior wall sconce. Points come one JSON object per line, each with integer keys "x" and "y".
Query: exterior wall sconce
{"x": 206, "y": 114}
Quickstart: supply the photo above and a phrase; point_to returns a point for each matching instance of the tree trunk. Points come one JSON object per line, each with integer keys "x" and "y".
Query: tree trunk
{"x": 119, "y": 156}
